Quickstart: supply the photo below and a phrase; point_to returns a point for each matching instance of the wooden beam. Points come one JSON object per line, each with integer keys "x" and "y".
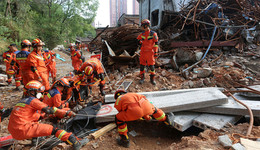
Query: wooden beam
{"x": 103, "y": 130}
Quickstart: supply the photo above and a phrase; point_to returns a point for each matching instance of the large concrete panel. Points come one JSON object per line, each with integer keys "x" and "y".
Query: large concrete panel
{"x": 233, "y": 108}
{"x": 155, "y": 94}
{"x": 173, "y": 103}
{"x": 183, "y": 120}
{"x": 214, "y": 121}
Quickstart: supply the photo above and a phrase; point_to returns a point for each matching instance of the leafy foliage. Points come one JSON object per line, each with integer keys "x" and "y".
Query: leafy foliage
{"x": 53, "y": 21}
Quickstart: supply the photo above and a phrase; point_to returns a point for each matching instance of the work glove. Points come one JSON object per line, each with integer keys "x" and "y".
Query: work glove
{"x": 1, "y": 108}
{"x": 70, "y": 113}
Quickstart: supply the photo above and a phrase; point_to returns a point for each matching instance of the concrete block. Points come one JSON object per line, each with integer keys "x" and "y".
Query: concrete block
{"x": 225, "y": 141}
{"x": 249, "y": 94}
{"x": 214, "y": 121}
{"x": 183, "y": 120}
{"x": 110, "y": 98}
{"x": 238, "y": 146}
{"x": 233, "y": 108}
{"x": 174, "y": 103}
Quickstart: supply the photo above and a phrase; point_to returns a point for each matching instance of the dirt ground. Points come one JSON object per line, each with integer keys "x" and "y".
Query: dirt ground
{"x": 150, "y": 135}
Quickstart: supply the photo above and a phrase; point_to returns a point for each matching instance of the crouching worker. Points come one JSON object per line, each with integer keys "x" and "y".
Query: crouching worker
{"x": 132, "y": 106}
{"x": 23, "y": 123}
{"x": 53, "y": 97}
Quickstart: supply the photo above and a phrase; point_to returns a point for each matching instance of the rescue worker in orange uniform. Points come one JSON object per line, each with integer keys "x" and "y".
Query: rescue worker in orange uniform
{"x": 133, "y": 106}
{"x": 8, "y": 58}
{"x": 1, "y": 111}
{"x": 75, "y": 57}
{"x": 18, "y": 74}
{"x": 23, "y": 122}
{"x": 49, "y": 58}
{"x": 148, "y": 40}
{"x": 54, "y": 96}
{"x": 21, "y": 59}
{"x": 36, "y": 61}
{"x": 94, "y": 72}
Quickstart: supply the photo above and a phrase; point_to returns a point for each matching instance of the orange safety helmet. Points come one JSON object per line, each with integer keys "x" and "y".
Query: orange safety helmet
{"x": 119, "y": 92}
{"x": 71, "y": 45}
{"x": 34, "y": 86}
{"x": 37, "y": 42}
{"x": 26, "y": 43}
{"x": 146, "y": 22}
{"x": 62, "y": 82}
{"x": 88, "y": 71}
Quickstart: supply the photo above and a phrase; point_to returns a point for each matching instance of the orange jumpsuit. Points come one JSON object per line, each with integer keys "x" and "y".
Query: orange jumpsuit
{"x": 97, "y": 70}
{"x": 53, "y": 99}
{"x": 36, "y": 60}
{"x": 132, "y": 106}
{"x": 24, "y": 67}
{"x": 1, "y": 111}
{"x": 49, "y": 59}
{"x": 23, "y": 122}
{"x": 8, "y": 56}
{"x": 76, "y": 59}
{"x": 18, "y": 73}
{"x": 149, "y": 49}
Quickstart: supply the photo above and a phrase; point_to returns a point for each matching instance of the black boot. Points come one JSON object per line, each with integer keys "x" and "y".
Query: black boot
{"x": 123, "y": 141}
{"x": 90, "y": 89}
{"x": 169, "y": 119}
{"x": 152, "y": 79}
{"x": 102, "y": 89}
{"x": 76, "y": 143}
{"x": 142, "y": 79}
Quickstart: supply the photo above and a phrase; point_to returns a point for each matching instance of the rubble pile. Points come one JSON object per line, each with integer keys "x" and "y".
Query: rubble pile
{"x": 235, "y": 19}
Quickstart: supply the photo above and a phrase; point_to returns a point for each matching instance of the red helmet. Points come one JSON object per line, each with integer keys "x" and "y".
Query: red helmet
{"x": 62, "y": 82}
{"x": 119, "y": 92}
{"x": 26, "y": 43}
{"x": 88, "y": 71}
{"x": 34, "y": 86}
{"x": 37, "y": 42}
{"x": 145, "y": 22}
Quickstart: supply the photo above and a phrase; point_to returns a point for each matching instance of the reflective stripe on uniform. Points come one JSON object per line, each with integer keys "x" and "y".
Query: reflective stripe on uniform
{"x": 122, "y": 130}
{"x": 117, "y": 100}
{"x": 49, "y": 95}
{"x": 162, "y": 116}
{"x": 55, "y": 109}
{"x": 20, "y": 104}
{"x": 155, "y": 46}
{"x": 61, "y": 134}
{"x": 21, "y": 58}
{"x": 150, "y": 37}
{"x": 143, "y": 37}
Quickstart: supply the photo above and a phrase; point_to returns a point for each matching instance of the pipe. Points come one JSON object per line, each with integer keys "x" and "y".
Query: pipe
{"x": 250, "y": 113}
{"x": 212, "y": 38}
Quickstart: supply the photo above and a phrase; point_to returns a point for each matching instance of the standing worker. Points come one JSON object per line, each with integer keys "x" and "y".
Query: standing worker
{"x": 75, "y": 57}
{"x": 21, "y": 59}
{"x": 36, "y": 61}
{"x": 49, "y": 59}
{"x": 148, "y": 40}
{"x": 23, "y": 122}
{"x": 8, "y": 57}
{"x": 94, "y": 72}
{"x": 132, "y": 106}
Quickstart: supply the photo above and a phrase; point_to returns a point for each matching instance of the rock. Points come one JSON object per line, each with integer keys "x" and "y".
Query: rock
{"x": 164, "y": 73}
{"x": 198, "y": 84}
{"x": 230, "y": 64}
{"x": 202, "y": 72}
{"x": 207, "y": 82}
{"x": 190, "y": 83}
{"x": 198, "y": 55}
{"x": 225, "y": 141}
{"x": 95, "y": 145}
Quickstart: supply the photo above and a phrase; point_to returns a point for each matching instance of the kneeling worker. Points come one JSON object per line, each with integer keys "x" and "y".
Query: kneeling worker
{"x": 133, "y": 106}
{"x": 23, "y": 122}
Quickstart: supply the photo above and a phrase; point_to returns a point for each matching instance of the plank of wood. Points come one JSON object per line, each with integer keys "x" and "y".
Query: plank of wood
{"x": 249, "y": 144}
{"x": 103, "y": 130}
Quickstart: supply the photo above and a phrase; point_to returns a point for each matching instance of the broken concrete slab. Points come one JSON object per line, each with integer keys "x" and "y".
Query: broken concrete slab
{"x": 173, "y": 103}
{"x": 238, "y": 146}
{"x": 214, "y": 121}
{"x": 148, "y": 95}
{"x": 225, "y": 141}
{"x": 249, "y": 144}
{"x": 249, "y": 94}
{"x": 183, "y": 120}
{"x": 233, "y": 108}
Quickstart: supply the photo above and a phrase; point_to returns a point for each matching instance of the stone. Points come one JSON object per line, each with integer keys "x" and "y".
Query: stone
{"x": 202, "y": 72}
{"x": 225, "y": 141}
